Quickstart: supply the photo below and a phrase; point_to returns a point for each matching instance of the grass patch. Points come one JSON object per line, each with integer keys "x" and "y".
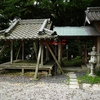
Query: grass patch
{"x": 89, "y": 79}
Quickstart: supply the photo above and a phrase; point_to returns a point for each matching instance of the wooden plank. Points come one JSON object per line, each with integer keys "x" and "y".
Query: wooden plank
{"x": 55, "y": 58}
{"x": 25, "y": 67}
{"x": 37, "y": 65}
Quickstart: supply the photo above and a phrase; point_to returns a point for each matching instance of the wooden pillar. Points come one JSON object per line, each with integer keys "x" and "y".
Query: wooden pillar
{"x": 11, "y": 53}
{"x": 85, "y": 52}
{"x": 55, "y": 59}
{"x": 98, "y": 48}
{"x": 37, "y": 65}
{"x": 35, "y": 49}
{"x": 42, "y": 55}
{"x": 18, "y": 52}
{"x": 59, "y": 52}
{"x": 47, "y": 54}
{"x": 23, "y": 50}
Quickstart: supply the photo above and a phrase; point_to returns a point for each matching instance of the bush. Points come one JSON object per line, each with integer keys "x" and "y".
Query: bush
{"x": 73, "y": 62}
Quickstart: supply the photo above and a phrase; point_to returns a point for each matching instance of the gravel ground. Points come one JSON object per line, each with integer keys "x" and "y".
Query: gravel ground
{"x": 47, "y": 88}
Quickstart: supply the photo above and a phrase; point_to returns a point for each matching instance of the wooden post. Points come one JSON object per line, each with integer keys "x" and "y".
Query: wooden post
{"x": 35, "y": 49}
{"x": 11, "y": 57}
{"x": 37, "y": 65}
{"x": 55, "y": 58}
{"x": 22, "y": 71}
{"x": 85, "y": 52}
{"x": 59, "y": 52}
{"x": 23, "y": 50}
{"x": 18, "y": 52}
{"x": 47, "y": 54}
{"x": 42, "y": 55}
{"x": 98, "y": 48}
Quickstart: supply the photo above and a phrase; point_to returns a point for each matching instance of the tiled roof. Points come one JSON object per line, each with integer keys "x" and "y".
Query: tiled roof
{"x": 93, "y": 14}
{"x": 28, "y": 29}
{"x": 76, "y": 31}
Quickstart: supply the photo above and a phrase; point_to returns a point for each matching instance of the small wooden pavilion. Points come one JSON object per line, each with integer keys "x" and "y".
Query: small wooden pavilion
{"x": 34, "y": 31}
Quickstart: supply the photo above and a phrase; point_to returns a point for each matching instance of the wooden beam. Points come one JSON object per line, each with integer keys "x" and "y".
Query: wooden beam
{"x": 23, "y": 50}
{"x": 37, "y": 65}
{"x": 3, "y": 48}
{"x": 55, "y": 58}
{"x": 11, "y": 53}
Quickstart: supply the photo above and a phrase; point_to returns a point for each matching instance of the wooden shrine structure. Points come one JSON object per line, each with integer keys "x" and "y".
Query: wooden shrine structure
{"x": 86, "y": 32}
{"x": 37, "y": 31}
{"x": 34, "y": 31}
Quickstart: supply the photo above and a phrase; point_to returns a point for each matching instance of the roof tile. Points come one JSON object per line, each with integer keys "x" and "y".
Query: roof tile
{"x": 28, "y": 29}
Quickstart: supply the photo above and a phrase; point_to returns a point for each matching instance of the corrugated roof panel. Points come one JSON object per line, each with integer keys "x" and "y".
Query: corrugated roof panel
{"x": 76, "y": 31}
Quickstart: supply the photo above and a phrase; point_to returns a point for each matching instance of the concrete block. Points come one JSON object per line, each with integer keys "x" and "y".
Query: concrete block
{"x": 85, "y": 86}
{"x": 96, "y": 87}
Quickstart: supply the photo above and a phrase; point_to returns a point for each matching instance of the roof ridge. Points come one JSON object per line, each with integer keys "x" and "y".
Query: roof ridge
{"x": 93, "y": 8}
{"x": 14, "y": 23}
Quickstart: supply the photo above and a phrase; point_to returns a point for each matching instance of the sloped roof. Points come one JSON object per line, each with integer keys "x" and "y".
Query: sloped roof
{"x": 28, "y": 29}
{"x": 93, "y": 14}
{"x": 76, "y": 31}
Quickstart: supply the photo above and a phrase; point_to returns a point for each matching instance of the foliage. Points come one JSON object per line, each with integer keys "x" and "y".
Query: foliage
{"x": 89, "y": 79}
{"x": 60, "y": 11}
{"x": 73, "y": 62}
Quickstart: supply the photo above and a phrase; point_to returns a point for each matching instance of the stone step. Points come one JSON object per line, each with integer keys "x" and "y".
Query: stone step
{"x": 72, "y": 68}
{"x": 73, "y": 83}
{"x": 73, "y": 80}
{"x": 73, "y": 76}
{"x": 74, "y": 86}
